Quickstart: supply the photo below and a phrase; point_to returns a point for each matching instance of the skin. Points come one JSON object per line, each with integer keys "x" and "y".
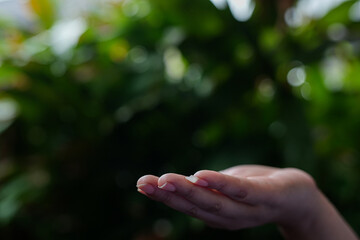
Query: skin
{"x": 251, "y": 195}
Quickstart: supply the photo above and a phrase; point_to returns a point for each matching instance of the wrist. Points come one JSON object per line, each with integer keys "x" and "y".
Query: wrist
{"x": 304, "y": 218}
{"x": 322, "y": 222}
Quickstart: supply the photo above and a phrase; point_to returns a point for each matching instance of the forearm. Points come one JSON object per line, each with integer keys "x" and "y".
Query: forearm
{"x": 324, "y": 223}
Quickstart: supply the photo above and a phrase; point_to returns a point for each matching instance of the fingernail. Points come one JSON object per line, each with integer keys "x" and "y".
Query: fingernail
{"x": 197, "y": 181}
{"x": 141, "y": 191}
{"x": 168, "y": 187}
{"x": 147, "y": 188}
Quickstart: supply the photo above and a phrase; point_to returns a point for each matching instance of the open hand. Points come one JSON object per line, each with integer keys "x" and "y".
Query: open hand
{"x": 238, "y": 197}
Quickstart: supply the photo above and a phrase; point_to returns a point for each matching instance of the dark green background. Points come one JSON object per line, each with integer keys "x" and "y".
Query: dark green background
{"x": 91, "y": 121}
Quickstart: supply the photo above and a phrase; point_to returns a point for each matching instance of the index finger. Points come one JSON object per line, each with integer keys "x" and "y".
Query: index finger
{"x": 247, "y": 190}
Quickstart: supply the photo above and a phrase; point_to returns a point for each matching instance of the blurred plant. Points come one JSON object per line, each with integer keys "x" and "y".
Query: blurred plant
{"x": 90, "y": 102}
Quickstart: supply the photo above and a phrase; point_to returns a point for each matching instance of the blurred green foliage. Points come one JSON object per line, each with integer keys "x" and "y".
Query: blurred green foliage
{"x": 88, "y": 105}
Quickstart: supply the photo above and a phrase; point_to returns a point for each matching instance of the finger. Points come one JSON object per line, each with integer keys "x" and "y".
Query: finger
{"x": 248, "y": 214}
{"x": 148, "y": 186}
{"x": 246, "y": 190}
{"x": 205, "y": 198}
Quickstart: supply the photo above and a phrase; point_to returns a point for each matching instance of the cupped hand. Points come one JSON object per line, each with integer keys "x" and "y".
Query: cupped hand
{"x": 238, "y": 197}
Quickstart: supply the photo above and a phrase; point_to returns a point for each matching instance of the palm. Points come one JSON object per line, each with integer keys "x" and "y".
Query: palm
{"x": 282, "y": 189}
